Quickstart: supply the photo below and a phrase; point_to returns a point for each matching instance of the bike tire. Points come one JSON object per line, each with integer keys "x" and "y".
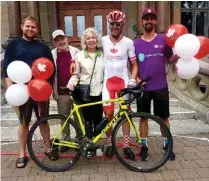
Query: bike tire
{"x": 30, "y": 142}
{"x": 166, "y": 131}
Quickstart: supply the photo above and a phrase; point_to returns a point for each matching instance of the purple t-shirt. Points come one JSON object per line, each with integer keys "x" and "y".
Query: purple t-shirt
{"x": 63, "y": 70}
{"x": 151, "y": 58}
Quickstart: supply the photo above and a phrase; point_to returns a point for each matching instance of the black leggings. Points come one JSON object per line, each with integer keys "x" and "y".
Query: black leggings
{"x": 92, "y": 115}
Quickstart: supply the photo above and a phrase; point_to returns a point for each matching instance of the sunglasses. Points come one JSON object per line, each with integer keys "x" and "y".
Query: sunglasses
{"x": 116, "y": 24}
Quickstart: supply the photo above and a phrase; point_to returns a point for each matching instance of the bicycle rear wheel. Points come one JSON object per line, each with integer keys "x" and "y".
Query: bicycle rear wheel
{"x": 37, "y": 148}
{"x": 156, "y": 156}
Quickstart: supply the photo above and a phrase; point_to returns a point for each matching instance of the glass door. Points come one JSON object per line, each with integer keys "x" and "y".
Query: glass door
{"x": 74, "y": 22}
{"x": 99, "y": 21}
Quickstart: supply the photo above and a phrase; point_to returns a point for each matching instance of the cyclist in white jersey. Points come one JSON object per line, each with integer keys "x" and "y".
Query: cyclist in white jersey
{"x": 118, "y": 51}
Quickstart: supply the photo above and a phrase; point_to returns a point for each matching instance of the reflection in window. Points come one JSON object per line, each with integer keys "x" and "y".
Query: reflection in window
{"x": 187, "y": 4}
{"x": 108, "y": 27}
{"x": 200, "y": 22}
{"x": 98, "y": 24}
{"x": 68, "y": 25}
{"x": 80, "y": 25}
{"x": 186, "y": 20}
{"x": 201, "y": 4}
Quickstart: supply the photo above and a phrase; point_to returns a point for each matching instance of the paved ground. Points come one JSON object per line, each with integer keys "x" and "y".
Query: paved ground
{"x": 192, "y": 164}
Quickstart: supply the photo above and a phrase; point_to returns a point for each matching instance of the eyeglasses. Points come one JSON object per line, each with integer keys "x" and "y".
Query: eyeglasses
{"x": 116, "y": 24}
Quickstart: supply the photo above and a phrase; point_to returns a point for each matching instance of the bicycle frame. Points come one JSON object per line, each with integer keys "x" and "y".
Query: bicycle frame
{"x": 122, "y": 112}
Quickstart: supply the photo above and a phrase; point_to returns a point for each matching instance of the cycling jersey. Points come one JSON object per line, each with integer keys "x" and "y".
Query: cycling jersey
{"x": 116, "y": 74}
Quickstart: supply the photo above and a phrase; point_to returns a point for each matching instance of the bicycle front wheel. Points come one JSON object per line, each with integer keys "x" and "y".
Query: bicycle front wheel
{"x": 157, "y": 156}
{"x": 42, "y": 133}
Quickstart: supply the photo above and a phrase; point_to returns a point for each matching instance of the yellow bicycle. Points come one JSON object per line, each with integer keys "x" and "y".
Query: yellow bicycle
{"x": 78, "y": 144}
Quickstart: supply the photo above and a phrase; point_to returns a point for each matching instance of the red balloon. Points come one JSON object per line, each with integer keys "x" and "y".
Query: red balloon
{"x": 204, "y": 47}
{"x": 173, "y": 32}
{"x": 39, "y": 90}
{"x": 42, "y": 68}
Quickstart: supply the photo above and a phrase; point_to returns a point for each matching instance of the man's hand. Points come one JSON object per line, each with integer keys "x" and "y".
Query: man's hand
{"x": 138, "y": 80}
{"x": 72, "y": 68}
{"x": 173, "y": 59}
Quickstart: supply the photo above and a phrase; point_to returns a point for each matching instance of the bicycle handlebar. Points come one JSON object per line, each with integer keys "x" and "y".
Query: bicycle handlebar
{"x": 135, "y": 91}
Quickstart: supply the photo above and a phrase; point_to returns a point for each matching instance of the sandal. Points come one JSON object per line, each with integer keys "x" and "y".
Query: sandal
{"x": 23, "y": 161}
{"x": 53, "y": 154}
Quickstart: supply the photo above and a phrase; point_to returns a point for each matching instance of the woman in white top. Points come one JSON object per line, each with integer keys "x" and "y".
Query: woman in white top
{"x": 91, "y": 54}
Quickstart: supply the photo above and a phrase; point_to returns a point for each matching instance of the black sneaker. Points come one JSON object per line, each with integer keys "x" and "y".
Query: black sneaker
{"x": 109, "y": 152}
{"x": 172, "y": 154}
{"x": 129, "y": 153}
{"x": 143, "y": 154}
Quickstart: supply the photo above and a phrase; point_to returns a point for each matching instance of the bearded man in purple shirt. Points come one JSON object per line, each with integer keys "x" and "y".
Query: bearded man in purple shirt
{"x": 152, "y": 53}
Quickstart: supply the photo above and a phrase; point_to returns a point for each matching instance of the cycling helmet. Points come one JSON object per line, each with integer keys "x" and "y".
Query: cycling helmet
{"x": 116, "y": 16}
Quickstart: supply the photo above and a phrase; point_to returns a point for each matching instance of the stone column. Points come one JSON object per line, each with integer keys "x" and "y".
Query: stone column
{"x": 52, "y": 17}
{"x": 163, "y": 15}
{"x": 124, "y": 8}
{"x": 141, "y": 5}
{"x": 33, "y": 10}
{"x": 14, "y": 16}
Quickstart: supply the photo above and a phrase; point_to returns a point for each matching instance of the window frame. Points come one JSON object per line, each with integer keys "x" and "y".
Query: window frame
{"x": 193, "y": 11}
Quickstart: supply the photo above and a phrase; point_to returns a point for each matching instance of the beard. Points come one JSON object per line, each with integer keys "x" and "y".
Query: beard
{"x": 148, "y": 27}
{"x": 29, "y": 37}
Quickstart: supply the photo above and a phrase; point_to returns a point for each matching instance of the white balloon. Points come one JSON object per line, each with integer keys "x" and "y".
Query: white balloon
{"x": 174, "y": 53}
{"x": 17, "y": 94}
{"x": 187, "y": 46}
{"x": 19, "y": 72}
{"x": 187, "y": 69}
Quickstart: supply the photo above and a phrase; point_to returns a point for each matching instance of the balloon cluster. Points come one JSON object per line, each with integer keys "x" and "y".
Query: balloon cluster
{"x": 38, "y": 89}
{"x": 188, "y": 47}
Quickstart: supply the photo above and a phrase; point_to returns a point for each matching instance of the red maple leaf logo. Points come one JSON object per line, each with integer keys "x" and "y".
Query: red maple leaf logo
{"x": 113, "y": 50}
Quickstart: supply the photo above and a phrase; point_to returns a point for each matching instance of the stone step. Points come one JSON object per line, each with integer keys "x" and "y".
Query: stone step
{"x": 178, "y": 128}
{"x": 177, "y": 113}
{"x": 53, "y": 106}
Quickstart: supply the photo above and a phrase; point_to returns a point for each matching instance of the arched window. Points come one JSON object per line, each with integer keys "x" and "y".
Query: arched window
{"x": 195, "y": 16}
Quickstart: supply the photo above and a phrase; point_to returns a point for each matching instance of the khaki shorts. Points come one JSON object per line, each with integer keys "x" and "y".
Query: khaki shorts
{"x": 24, "y": 112}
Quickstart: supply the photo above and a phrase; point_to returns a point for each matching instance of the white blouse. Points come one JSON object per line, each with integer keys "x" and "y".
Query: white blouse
{"x": 83, "y": 71}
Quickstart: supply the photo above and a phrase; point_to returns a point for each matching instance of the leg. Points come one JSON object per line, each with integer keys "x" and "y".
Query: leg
{"x": 42, "y": 110}
{"x": 24, "y": 113}
{"x": 109, "y": 93}
{"x": 109, "y": 151}
{"x": 109, "y": 115}
{"x": 144, "y": 105}
{"x": 97, "y": 110}
{"x": 87, "y": 115}
{"x": 161, "y": 109}
{"x": 161, "y": 106}
{"x": 88, "y": 121}
{"x": 64, "y": 105}
{"x": 22, "y": 138}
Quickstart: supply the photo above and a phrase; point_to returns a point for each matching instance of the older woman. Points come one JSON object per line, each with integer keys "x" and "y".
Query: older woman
{"x": 89, "y": 70}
